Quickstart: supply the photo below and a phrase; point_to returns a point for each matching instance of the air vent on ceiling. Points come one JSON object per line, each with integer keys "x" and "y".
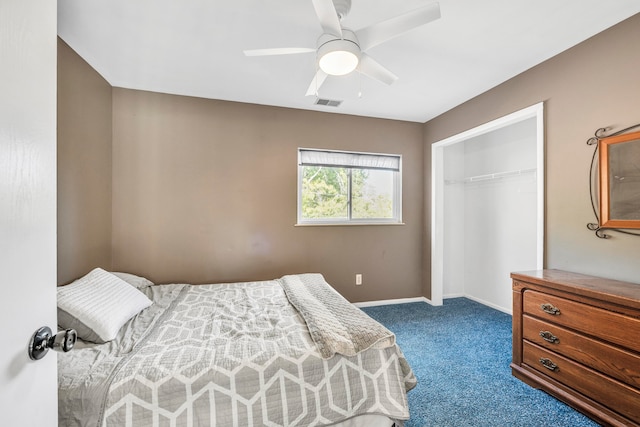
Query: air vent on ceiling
{"x": 328, "y": 102}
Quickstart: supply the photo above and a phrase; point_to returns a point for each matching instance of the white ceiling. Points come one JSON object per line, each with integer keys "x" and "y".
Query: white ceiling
{"x": 194, "y": 48}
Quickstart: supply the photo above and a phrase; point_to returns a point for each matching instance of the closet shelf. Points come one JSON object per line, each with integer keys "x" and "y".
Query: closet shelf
{"x": 491, "y": 176}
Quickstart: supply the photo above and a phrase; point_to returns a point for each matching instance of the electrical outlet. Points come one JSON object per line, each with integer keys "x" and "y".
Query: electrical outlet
{"x": 358, "y": 279}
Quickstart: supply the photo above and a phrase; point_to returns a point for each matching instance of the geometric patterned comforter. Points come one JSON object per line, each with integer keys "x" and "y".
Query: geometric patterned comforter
{"x": 235, "y": 354}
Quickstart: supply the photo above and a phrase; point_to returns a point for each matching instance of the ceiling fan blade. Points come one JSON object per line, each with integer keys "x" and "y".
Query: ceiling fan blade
{"x": 317, "y": 81}
{"x": 328, "y": 17}
{"x": 378, "y": 33}
{"x": 370, "y": 67}
{"x": 278, "y": 51}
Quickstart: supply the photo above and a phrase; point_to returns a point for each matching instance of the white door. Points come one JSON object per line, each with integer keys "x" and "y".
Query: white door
{"x": 28, "y": 389}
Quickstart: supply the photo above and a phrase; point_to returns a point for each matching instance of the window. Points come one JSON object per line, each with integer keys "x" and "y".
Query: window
{"x": 338, "y": 187}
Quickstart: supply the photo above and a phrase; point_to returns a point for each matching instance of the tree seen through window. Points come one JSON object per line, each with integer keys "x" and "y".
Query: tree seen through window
{"x": 346, "y": 193}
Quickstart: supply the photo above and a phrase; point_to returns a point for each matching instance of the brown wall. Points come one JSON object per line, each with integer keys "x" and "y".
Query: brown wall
{"x": 595, "y": 84}
{"x": 205, "y": 191}
{"x": 84, "y": 167}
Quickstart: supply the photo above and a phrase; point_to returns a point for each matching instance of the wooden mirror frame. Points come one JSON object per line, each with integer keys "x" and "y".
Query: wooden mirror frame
{"x": 607, "y": 219}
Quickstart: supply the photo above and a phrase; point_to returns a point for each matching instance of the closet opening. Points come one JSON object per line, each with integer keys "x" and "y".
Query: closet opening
{"x": 487, "y": 208}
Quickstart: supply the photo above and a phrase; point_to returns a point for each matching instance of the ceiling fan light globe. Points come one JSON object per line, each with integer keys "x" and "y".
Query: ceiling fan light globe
{"x": 338, "y": 57}
{"x": 338, "y": 63}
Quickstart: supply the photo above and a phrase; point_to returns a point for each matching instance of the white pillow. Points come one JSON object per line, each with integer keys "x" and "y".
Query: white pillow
{"x": 98, "y": 304}
{"x": 137, "y": 282}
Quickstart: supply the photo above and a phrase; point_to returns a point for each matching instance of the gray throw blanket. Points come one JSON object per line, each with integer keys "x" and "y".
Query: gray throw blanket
{"x": 336, "y": 325}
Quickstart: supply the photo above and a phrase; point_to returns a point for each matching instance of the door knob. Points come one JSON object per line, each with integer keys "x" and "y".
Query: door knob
{"x": 43, "y": 340}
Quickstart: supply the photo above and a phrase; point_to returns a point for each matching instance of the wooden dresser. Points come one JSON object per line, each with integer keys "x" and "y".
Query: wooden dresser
{"x": 577, "y": 337}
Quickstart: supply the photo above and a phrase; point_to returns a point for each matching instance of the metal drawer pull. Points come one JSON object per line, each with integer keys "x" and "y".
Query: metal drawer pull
{"x": 549, "y": 337}
{"x": 550, "y": 309}
{"x": 547, "y": 363}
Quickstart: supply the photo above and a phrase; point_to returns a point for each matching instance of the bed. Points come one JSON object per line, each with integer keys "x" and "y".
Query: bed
{"x": 285, "y": 352}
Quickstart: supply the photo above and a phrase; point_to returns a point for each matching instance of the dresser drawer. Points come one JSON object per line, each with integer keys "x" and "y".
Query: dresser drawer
{"x": 613, "y": 394}
{"x": 613, "y": 327}
{"x": 614, "y": 361}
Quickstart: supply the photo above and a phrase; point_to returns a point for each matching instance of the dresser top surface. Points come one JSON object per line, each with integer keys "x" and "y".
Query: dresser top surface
{"x": 626, "y": 293}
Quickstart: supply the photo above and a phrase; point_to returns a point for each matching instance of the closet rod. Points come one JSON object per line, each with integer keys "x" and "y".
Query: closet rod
{"x": 492, "y": 176}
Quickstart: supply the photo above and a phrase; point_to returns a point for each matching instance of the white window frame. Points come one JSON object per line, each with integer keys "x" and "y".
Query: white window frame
{"x": 397, "y": 193}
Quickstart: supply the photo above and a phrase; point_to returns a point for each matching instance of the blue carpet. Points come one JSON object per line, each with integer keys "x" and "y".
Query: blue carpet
{"x": 460, "y": 353}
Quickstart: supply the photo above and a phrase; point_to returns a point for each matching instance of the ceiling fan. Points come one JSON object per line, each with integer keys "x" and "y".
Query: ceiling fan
{"x": 340, "y": 51}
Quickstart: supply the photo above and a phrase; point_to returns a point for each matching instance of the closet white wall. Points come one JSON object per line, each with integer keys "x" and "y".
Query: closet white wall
{"x": 488, "y": 213}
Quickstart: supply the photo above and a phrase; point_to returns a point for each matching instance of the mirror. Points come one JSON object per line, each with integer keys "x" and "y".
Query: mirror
{"x": 619, "y": 165}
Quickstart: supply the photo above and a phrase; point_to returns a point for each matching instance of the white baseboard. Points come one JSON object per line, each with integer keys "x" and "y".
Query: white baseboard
{"x": 488, "y": 304}
{"x": 428, "y": 301}
{"x": 391, "y": 301}
{"x": 453, "y": 296}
